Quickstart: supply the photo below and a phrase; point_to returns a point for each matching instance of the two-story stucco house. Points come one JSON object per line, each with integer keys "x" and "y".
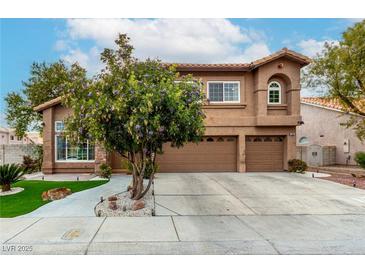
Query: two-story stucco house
{"x": 252, "y": 113}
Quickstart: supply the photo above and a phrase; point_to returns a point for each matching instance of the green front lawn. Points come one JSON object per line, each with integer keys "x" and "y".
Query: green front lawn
{"x": 30, "y": 198}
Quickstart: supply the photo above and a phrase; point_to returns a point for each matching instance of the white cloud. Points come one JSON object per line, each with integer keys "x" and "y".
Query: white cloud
{"x": 61, "y": 45}
{"x": 312, "y": 47}
{"x": 172, "y": 40}
{"x": 355, "y": 20}
{"x": 89, "y": 60}
{"x": 255, "y": 51}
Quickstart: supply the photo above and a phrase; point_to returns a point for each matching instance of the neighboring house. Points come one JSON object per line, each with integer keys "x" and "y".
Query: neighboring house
{"x": 8, "y": 137}
{"x": 251, "y": 116}
{"x": 322, "y": 119}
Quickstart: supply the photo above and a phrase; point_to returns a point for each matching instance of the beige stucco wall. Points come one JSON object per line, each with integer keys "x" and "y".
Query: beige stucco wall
{"x": 321, "y": 121}
{"x": 50, "y": 165}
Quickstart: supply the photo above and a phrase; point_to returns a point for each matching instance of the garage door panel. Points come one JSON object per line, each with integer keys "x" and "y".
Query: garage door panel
{"x": 204, "y": 156}
{"x": 264, "y": 153}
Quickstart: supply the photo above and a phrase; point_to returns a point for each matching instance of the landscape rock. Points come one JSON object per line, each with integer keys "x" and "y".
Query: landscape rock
{"x": 139, "y": 204}
{"x": 112, "y": 198}
{"x": 56, "y": 194}
{"x": 113, "y": 205}
{"x": 126, "y": 207}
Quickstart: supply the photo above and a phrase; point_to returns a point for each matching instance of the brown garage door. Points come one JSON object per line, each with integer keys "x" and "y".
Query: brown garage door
{"x": 213, "y": 154}
{"x": 264, "y": 153}
{"x": 117, "y": 162}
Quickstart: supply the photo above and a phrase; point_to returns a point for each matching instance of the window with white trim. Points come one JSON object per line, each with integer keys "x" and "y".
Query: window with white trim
{"x": 69, "y": 152}
{"x": 224, "y": 91}
{"x": 274, "y": 93}
{"x": 59, "y": 126}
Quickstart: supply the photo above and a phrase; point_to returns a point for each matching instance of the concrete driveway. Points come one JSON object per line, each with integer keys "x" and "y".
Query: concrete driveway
{"x": 212, "y": 213}
{"x": 253, "y": 194}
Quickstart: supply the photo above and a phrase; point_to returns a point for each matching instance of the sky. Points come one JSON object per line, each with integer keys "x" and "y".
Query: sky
{"x": 24, "y": 41}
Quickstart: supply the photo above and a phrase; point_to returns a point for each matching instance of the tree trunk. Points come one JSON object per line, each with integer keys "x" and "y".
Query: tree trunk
{"x": 5, "y": 187}
{"x": 139, "y": 189}
{"x": 139, "y": 163}
{"x": 150, "y": 181}
{"x": 148, "y": 186}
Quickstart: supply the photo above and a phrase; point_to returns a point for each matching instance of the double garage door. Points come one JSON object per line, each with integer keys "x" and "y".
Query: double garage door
{"x": 212, "y": 154}
{"x": 219, "y": 154}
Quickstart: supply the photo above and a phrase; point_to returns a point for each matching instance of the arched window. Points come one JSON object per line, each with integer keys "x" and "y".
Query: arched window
{"x": 303, "y": 141}
{"x": 274, "y": 93}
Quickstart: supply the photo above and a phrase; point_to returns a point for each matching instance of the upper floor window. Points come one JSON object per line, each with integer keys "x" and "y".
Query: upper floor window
{"x": 274, "y": 93}
{"x": 224, "y": 91}
{"x": 12, "y": 137}
{"x": 59, "y": 126}
{"x": 303, "y": 141}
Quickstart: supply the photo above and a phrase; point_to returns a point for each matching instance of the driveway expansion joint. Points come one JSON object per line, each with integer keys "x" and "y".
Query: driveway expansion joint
{"x": 258, "y": 233}
{"x": 167, "y": 208}
{"x": 22, "y": 230}
{"x": 173, "y": 223}
{"x": 230, "y": 192}
{"x": 96, "y": 232}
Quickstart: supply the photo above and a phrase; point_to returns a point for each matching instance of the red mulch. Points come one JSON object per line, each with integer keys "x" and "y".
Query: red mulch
{"x": 346, "y": 180}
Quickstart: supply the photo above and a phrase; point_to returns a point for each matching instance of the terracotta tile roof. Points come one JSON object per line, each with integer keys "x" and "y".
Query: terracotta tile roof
{"x": 210, "y": 67}
{"x": 331, "y": 103}
{"x": 48, "y": 104}
{"x": 300, "y": 58}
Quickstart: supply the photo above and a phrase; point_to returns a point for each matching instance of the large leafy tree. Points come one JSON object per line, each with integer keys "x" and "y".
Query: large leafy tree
{"x": 340, "y": 68}
{"x": 46, "y": 82}
{"x": 134, "y": 107}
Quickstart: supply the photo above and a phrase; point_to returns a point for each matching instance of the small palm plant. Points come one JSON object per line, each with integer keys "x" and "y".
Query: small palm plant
{"x": 10, "y": 174}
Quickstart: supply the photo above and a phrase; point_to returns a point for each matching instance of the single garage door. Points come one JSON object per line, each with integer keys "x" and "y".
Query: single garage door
{"x": 212, "y": 154}
{"x": 118, "y": 163}
{"x": 264, "y": 153}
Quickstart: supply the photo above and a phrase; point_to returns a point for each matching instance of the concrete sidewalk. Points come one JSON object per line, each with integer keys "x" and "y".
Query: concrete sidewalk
{"x": 82, "y": 203}
{"x": 279, "y": 234}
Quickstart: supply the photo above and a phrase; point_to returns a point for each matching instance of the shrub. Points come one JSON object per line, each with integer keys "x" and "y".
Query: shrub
{"x": 360, "y": 158}
{"x": 10, "y": 174}
{"x": 150, "y": 169}
{"x": 296, "y": 165}
{"x": 105, "y": 171}
{"x": 33, "y": 164}
{"x": 128, "y": 166}
{"x": 29, "y": 164}
{"x": 38, "y": 152}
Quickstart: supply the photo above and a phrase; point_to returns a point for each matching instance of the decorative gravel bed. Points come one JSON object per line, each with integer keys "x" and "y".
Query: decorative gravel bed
{"x": 121, "y": 205}
{"x": 347, "y": 180}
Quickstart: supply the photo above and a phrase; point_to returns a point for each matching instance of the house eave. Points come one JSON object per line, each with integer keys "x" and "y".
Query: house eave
{"x": 48, "y": 104}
